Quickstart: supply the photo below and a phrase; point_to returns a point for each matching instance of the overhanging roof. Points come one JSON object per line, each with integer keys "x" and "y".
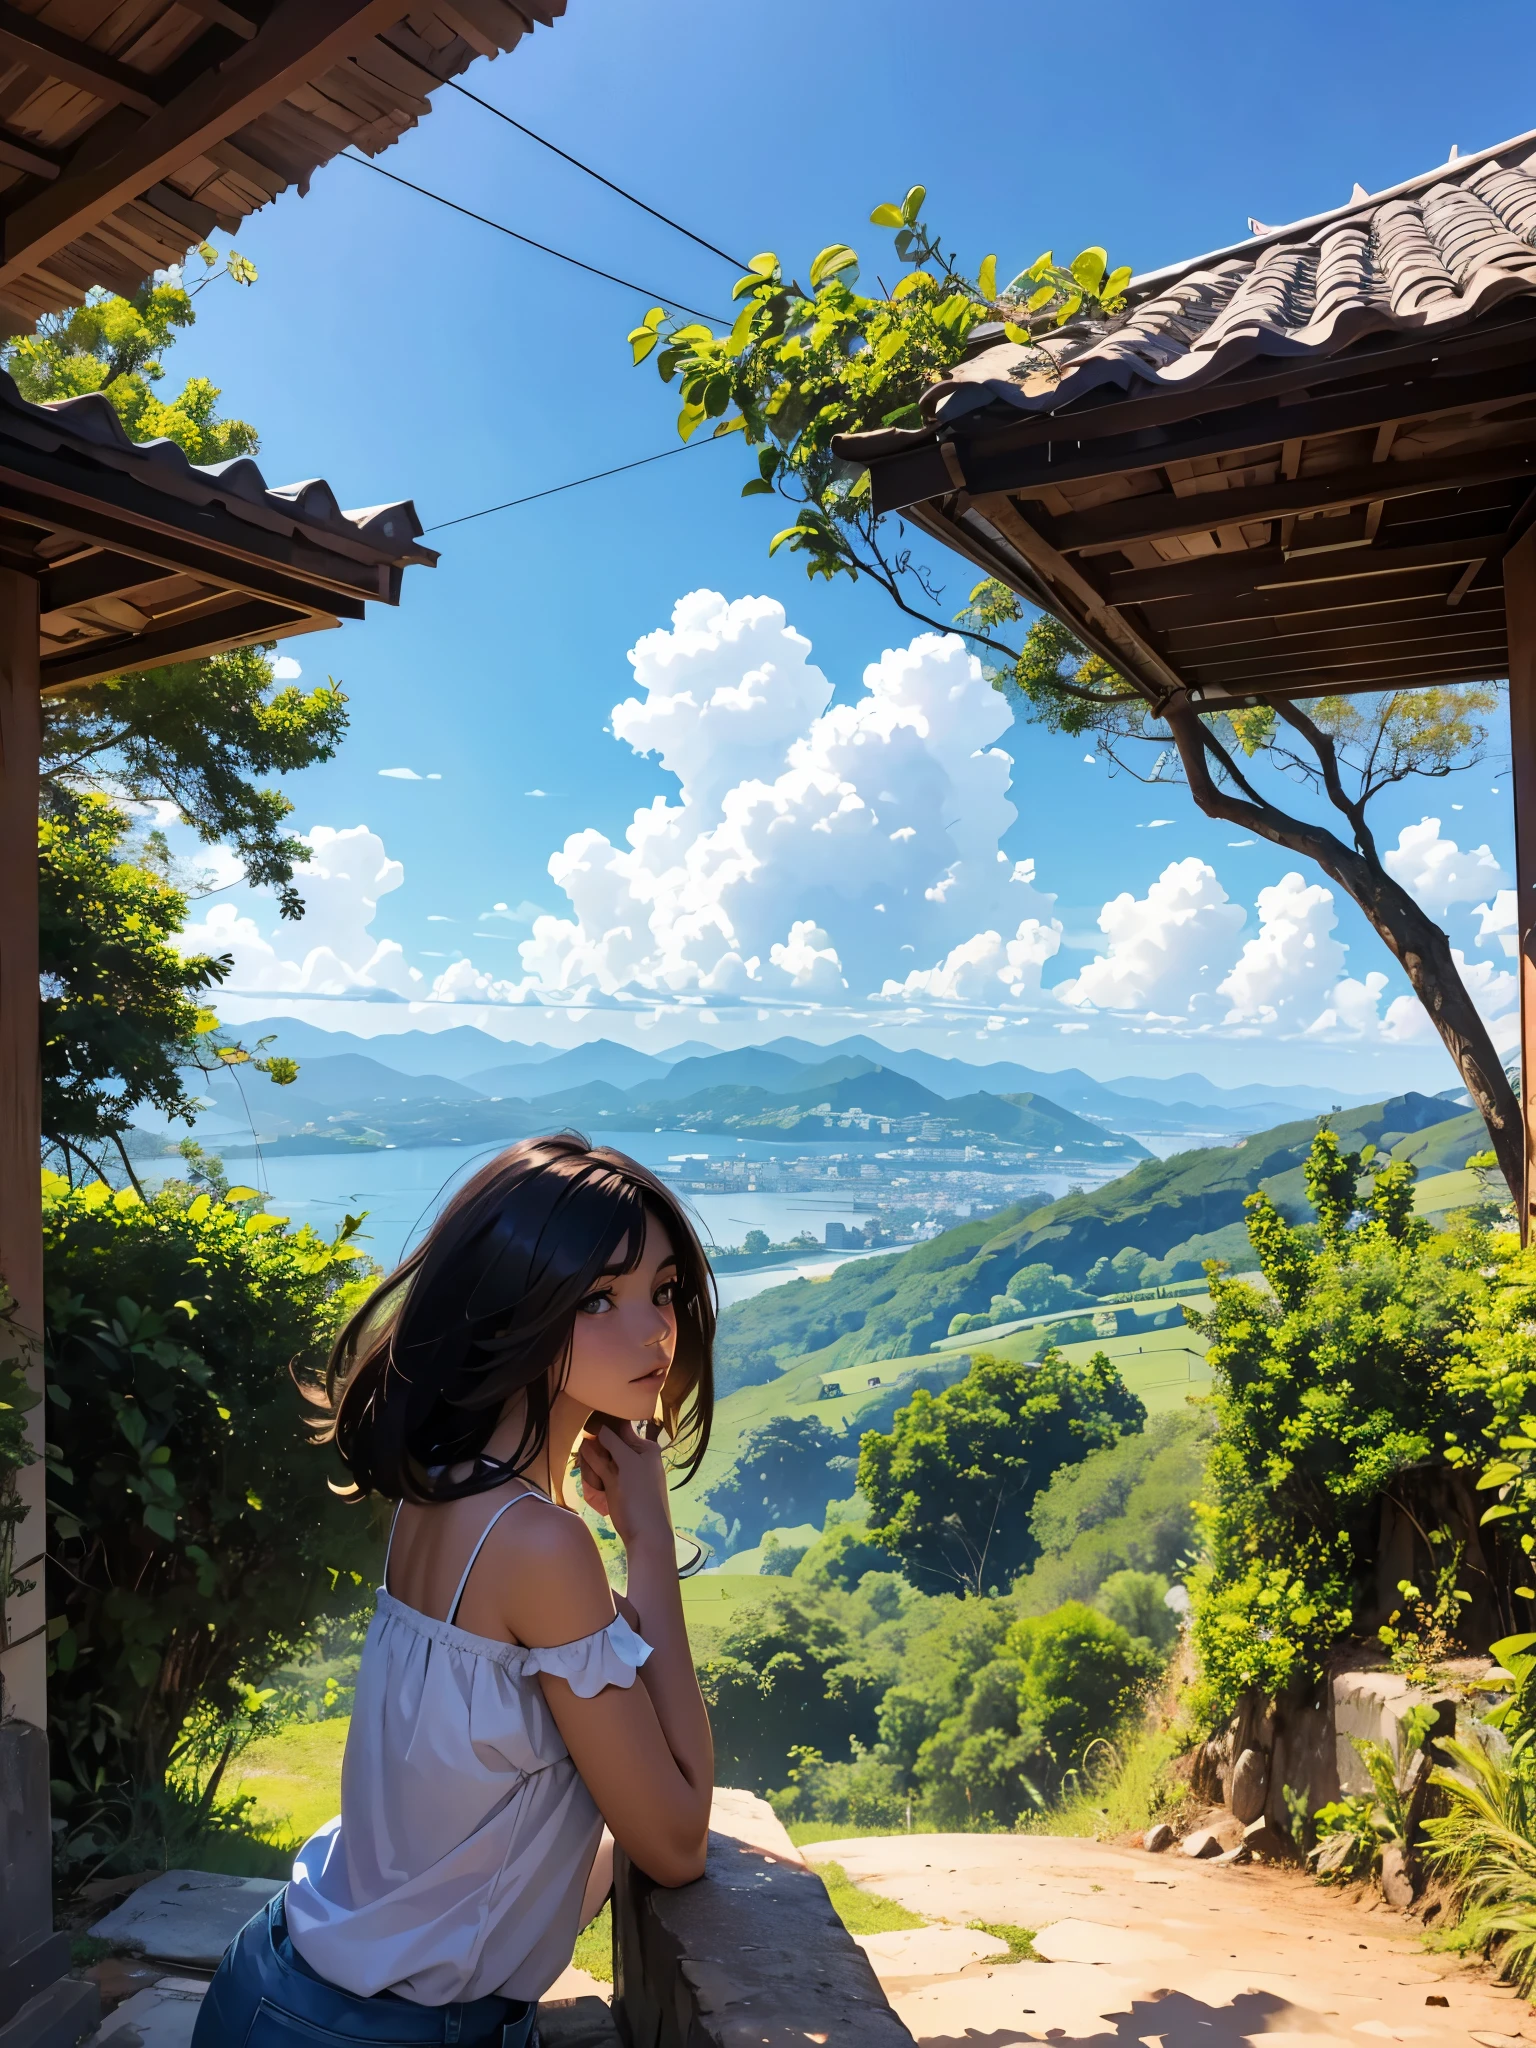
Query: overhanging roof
{"x": 144, "y": 557}
{"x": 1292, "y": 467}
{"x": 129, "y": 132}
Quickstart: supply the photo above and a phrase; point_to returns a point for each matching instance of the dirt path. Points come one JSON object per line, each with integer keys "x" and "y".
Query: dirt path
{"x": 1156, "y": 1952}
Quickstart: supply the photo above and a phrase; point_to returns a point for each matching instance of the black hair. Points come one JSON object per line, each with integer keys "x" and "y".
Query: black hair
{"x": 484, "y": 1309}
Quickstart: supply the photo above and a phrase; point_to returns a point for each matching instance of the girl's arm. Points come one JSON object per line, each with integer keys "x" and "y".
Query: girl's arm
{"x": 643, "y": 1751}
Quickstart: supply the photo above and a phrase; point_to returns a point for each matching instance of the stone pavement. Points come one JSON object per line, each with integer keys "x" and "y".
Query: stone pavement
{"x": 1158, "y": 1952}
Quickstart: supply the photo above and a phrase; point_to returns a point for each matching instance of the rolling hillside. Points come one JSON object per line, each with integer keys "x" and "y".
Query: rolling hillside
{"x": 1177, "y": 1211}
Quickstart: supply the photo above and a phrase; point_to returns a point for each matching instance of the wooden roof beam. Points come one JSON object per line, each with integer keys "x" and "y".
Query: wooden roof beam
{"x": 1164, "y": 516}
{"x": 299, "y": 40}
{"x": 44, "y": 49}
{"x": 1264, "y": 571}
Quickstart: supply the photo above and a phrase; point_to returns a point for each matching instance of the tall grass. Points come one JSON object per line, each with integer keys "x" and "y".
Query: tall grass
{"x": 1485, "y": 1847}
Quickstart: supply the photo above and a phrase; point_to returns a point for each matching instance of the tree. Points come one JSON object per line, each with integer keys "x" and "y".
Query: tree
{"x": 1060, "y": 1683}
{"x": 192, "y": 1543}
{"x": 123, "y": 1019}
{"x": 755, "y": 1242}
{"x": 780, "y": 1477}
{"x": 1330, "y": 1500}
{"x": 786, "y": 1674}
{"x": 952, "y": 1486}
{"x": 120, "y": 1006}
{"x": 802, "y": 366}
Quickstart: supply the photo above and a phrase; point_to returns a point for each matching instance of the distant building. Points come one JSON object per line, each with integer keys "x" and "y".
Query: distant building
{"x": 839, "y": 1237}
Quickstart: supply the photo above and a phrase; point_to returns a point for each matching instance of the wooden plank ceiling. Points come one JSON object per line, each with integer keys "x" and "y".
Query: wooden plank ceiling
{"x": 1293, "y": 468}
{"x": 130, "y": 129}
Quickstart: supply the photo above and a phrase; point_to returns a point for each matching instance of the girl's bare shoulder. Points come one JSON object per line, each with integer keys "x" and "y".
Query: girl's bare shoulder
{"x": 553, "y": 1586}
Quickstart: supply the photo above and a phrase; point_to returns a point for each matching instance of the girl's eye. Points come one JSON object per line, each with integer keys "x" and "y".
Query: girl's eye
{"x": 596, "y": 1305}
{"x": 666, "y": 1294}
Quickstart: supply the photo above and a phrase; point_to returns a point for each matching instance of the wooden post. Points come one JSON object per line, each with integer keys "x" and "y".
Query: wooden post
{"x": 37, "y": 2002}
{"x": 1520, "y": 610}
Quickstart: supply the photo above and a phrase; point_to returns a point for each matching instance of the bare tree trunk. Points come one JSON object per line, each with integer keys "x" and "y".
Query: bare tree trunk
{"x": 1415, "y": 941}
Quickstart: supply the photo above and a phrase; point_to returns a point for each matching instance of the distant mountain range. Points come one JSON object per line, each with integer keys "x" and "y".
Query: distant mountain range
{"x": 349, "y": 1099}
{"x": 464, "y": 1061}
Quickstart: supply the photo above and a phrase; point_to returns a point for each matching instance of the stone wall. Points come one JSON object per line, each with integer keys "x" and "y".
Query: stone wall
{"x": 752, "y": 1952}
{"x": 1275, "y": 1759}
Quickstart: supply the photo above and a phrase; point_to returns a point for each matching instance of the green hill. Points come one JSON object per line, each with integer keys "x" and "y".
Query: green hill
{"x": 1176, "y": 1211}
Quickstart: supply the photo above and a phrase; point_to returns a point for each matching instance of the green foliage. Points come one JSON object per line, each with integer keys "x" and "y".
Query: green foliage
{"x": 1129, "y": 1507}
{"x": 861, "y": 1911}
{"x": 1136, "y": 1600}
{"x": 802, "y": 363}
{"x": 785, "y": 1675}
{"x": 1332, "y": 1391}
{"x": 1493, "y": 1375}
{"x": 198, "y": 734}
{"x": 783, "y": 1473}
{"x": 114, "y": 345}
{"x": 861, "y": 1792}
{"x": 1060, "y": 1683}
{"x": 192, "y": 1542}
{"x": 1484, "y": 1847}
{"x": 951, "y": 1487}
{"x": 1352, "y": 1832}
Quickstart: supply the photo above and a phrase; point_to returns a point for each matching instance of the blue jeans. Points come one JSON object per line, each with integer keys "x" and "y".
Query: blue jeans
{"x": 264, "y": 1995}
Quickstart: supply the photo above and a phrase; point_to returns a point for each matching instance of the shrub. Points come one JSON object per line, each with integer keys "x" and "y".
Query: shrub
{"x": 193, "y": 1542}
{"x": 1136, "y": 1601}
{"x": 786, "y": 1674}
{"x": 1060, "y": 1683}
{"x": 1334, "y": 1395}
{"x": 951, "y": 1487}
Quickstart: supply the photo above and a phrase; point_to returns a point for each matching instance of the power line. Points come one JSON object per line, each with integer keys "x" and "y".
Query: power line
{"x": 545, "y": 143}
{"x": 575, "y": 483}
{"x": 714, "y": 319}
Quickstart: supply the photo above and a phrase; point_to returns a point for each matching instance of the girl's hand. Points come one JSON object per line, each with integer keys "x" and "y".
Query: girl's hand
{"x": 623, "y": 1477}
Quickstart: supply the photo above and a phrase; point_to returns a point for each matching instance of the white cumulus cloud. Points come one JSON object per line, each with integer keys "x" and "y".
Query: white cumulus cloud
{"x": 1497, "y": 923}
{"x": 810, "y": 843}
{"x": 1436, "y": 872}
{"x": 1164, "y": 947}
{"x": 331, "y": 949}
{"x": 1284, "y": 971}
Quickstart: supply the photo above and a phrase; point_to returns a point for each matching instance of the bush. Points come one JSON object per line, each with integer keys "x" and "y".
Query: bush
{"x": 786, "y": 1675}
{"x": 193, "y": 1541}
{"x": 1136, "y": 1600}
{"x": 951, "y": 1487}
{"x": 861, "y": 1793}
{"x": 1060, "y": 1683}
{"x": 1336, "y": 1393}
{"x": 780, "y": 1477}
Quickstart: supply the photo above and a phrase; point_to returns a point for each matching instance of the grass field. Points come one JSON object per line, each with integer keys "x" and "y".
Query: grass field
{"x": 295, "y": 1778}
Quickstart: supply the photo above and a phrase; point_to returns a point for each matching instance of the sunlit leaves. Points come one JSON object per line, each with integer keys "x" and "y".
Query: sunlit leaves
{"x": 834, "y": 261}
{"x": 986, "y": 277}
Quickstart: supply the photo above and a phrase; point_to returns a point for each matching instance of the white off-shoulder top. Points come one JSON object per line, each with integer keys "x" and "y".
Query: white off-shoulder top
{"x": 458, "y": 1862}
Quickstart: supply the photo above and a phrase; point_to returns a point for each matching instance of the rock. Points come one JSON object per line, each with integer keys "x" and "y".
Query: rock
{"x": 1396, "y": 1884}
{"x": 1250, "y": 1785}
{"x": 1262, "y": 1838}
{"x": 1437, "y": 1998}
{"x": 1203, "y": 1843}
{"x": 185, "y": 1916}
{"x": 1158, "y": 1837}
{"x": 1331, "y": 1855}
{"x": 1241, "y": 1854}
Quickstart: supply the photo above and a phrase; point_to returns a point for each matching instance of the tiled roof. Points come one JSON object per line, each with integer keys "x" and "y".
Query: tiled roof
{"x": 89, "y": 428}
{"x": 1429, "y": 257}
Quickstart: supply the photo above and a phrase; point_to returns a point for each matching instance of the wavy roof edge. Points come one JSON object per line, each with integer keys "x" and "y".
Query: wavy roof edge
{"x": 1159, "y": 343}
{"x": 89, "y": 426}
{"x": 1306, "y": 228}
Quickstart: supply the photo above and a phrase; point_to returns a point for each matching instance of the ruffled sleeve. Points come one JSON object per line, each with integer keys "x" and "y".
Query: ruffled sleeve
{"x": 611, "y": 1657}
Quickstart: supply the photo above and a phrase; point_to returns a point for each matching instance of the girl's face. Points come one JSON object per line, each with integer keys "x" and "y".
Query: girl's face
{"x": 626, "y": 1333}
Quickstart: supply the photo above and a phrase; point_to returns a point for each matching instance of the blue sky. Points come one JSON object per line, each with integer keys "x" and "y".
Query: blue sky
{"x": 398, "y": 350}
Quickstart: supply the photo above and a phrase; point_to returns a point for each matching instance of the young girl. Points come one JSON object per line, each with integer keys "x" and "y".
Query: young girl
{"x": 560, "y": 1308}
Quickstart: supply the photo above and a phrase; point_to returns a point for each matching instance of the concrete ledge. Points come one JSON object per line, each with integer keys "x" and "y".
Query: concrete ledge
{"x": 751, "y": 1956}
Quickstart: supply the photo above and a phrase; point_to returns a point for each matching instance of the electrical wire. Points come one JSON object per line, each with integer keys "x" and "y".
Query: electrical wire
{"x": 545, "y": 143}
{"x": 575, "y": 484}
{"x": 714, "y": 319}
